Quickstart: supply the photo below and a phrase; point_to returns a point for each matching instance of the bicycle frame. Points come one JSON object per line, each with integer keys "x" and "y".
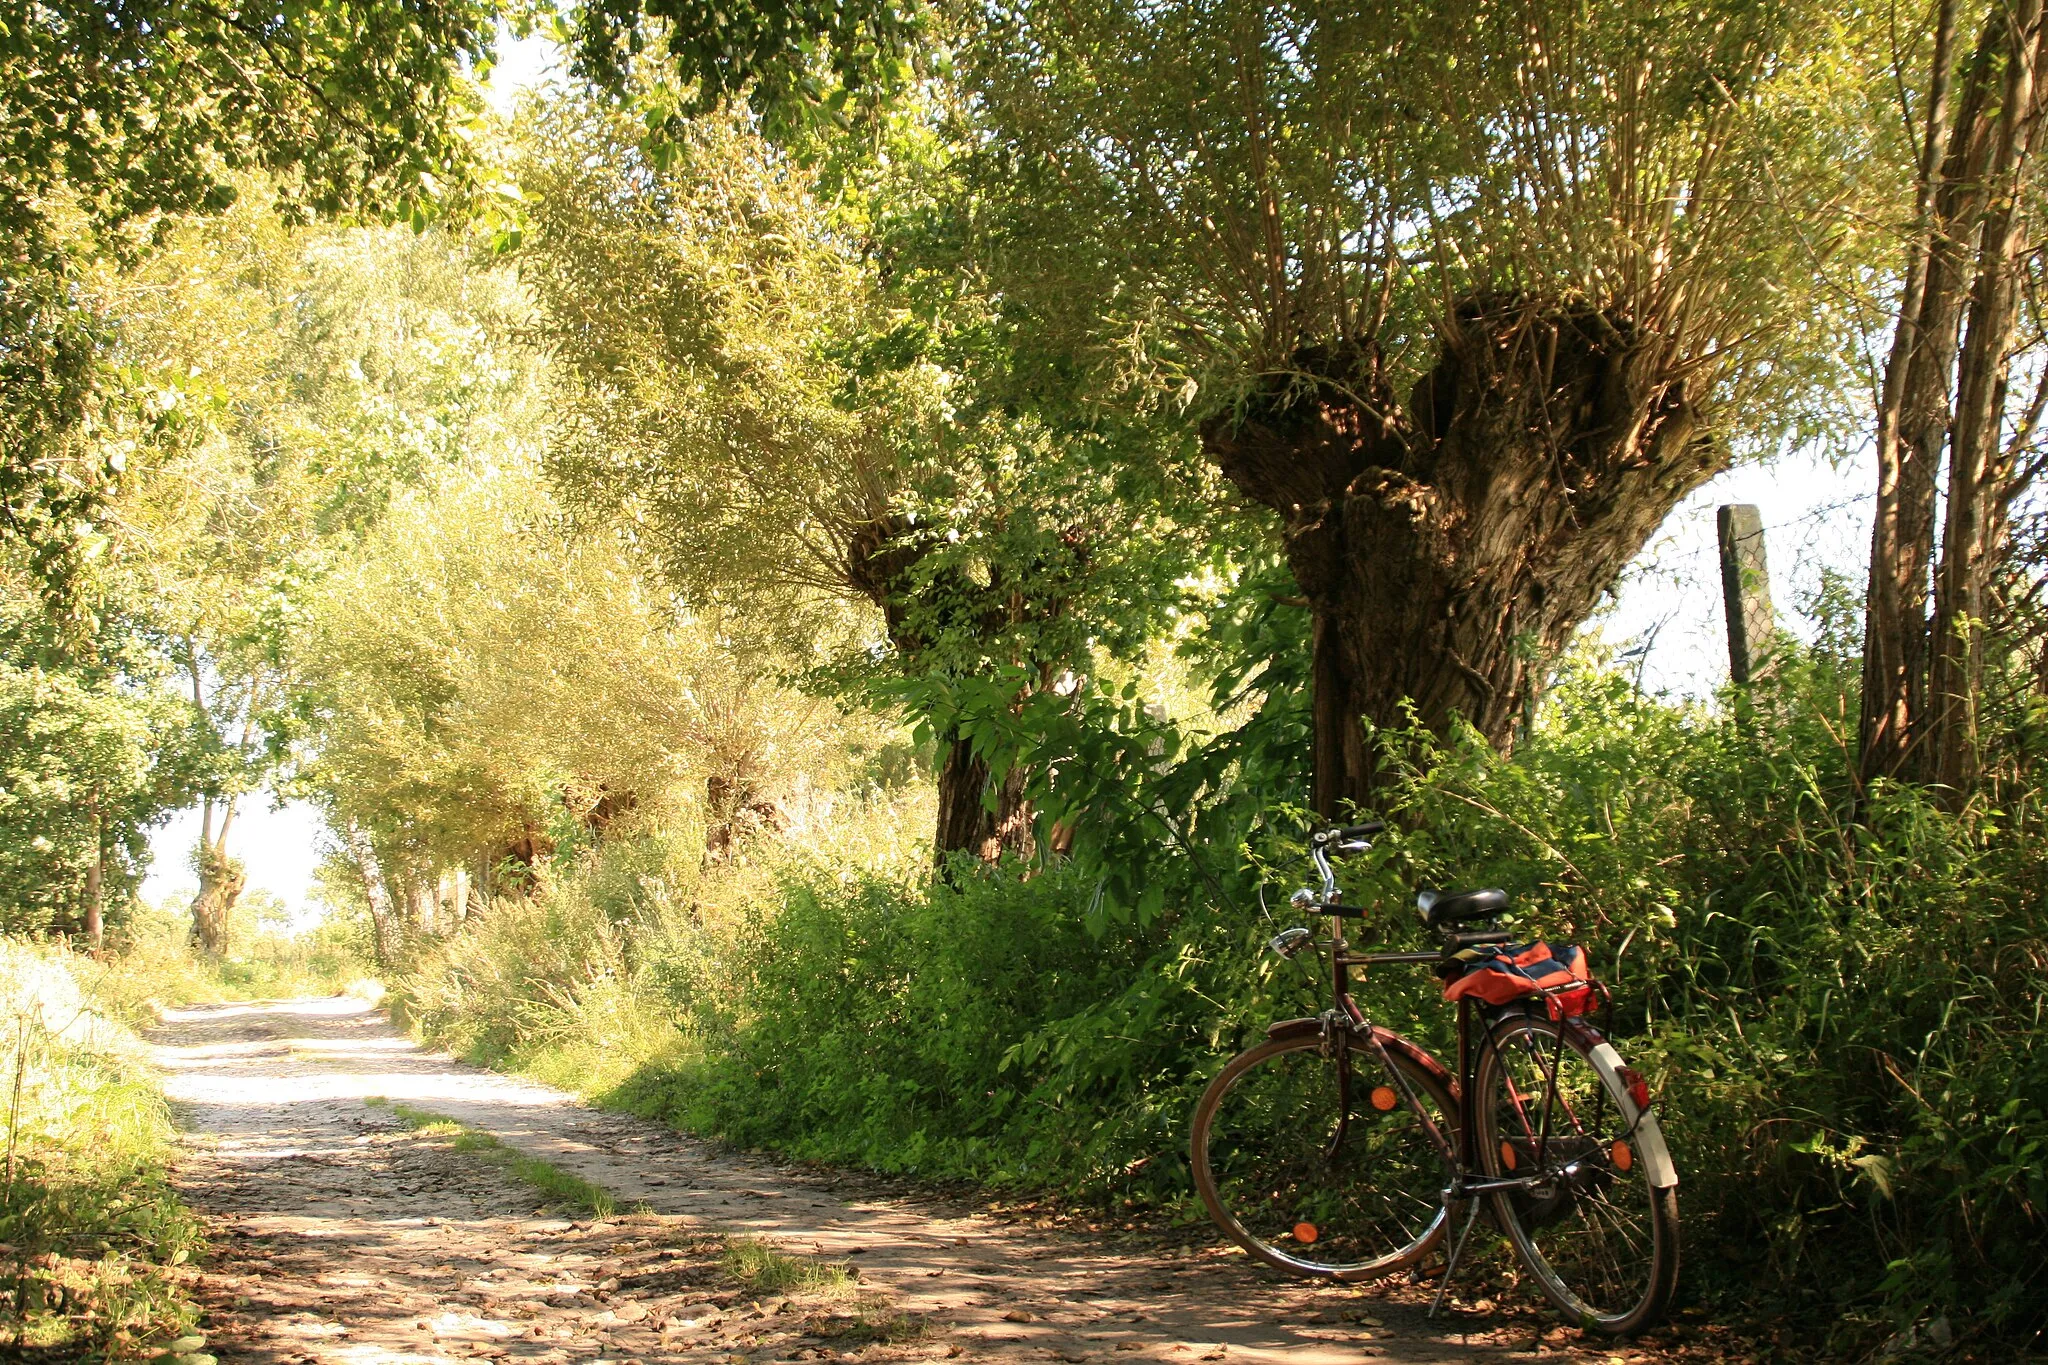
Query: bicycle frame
{"x": 1464, "y": 1159}
{"x": 1542, "y": 1104}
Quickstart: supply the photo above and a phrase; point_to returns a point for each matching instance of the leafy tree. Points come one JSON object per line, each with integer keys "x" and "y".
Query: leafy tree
{"x": 781, "y": 55}
{"x": 86, "y": 767}
{"x": 483, "y": 686}
{"x": 111, "y": 116}
{"x": 1468, "y": 296}
{"x": 799, "y": 412}
{"x": 306, "y": 375}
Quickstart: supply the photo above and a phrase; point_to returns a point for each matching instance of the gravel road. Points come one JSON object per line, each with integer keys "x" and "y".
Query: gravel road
{"x": 343, "y": 1236}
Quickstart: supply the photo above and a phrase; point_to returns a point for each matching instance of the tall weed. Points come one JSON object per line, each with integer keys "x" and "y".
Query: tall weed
{"x": 89, "y": 1221}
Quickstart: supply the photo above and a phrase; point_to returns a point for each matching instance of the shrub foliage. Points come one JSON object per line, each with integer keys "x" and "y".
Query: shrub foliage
{"x": 1835, "y": 991}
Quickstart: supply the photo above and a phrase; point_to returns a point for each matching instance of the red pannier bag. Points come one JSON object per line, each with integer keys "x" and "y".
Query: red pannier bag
{"x": 1501, "y": 975}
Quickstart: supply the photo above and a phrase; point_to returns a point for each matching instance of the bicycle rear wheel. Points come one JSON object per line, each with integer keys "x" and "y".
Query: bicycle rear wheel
{"x": 1309, "y": 1190}
{"x": 1598, "y": 1226}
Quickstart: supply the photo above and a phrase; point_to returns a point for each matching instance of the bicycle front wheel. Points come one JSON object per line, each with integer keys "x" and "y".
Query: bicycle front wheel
{"x": 1597, "y": 1222}
{"x": 1311, "y": 1189}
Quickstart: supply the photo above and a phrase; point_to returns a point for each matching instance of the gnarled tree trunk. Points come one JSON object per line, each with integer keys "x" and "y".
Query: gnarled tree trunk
{"x": 877, "y": 564}
{"x": 221, "y": 880}
{"x": 965, "y": 823}
{"x": 1449, "y": 546}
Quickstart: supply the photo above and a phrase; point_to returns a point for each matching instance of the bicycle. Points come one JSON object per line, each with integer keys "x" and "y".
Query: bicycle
{"x": 1316, "y": 1170}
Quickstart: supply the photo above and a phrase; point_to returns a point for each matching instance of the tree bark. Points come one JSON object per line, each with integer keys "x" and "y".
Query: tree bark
{"x": 1914, "y": 410}
{"x": 221, "y": 880}
{"x": 965, "y": 822}
{"x": 1449, "y": 546}
{"x": 374, "y": 890}
{"x": 1977, "y": 450}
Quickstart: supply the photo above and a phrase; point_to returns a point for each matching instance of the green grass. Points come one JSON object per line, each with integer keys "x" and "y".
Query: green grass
{"x": 560, "y": 1187}
{"x": 90, "y": 1229}
{"x": 765, "y": 1270}
{"x": 863, "y": 1318}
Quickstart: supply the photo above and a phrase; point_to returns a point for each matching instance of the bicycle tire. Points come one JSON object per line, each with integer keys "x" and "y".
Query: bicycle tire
{"x": 1601, "y": 1239}
{"x": 1262, "y": 1161}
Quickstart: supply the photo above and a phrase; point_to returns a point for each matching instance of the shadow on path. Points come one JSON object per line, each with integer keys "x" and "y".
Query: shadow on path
{"x": 344, "y": 1237}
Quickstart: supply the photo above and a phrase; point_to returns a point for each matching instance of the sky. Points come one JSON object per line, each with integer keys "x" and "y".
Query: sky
{"x": 1665, "y": 615}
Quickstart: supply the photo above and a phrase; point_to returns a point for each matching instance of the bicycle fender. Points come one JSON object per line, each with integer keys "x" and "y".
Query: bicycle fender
{"x": 1390, "y": 1040}
{"x": 1291, "y": 1028}
{"x": 1658, "y": 1169}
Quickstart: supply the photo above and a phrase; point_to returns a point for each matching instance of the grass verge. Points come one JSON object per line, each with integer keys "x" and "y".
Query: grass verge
{"x": 559, "y": 1186}
{"x": 91, "y": 1234}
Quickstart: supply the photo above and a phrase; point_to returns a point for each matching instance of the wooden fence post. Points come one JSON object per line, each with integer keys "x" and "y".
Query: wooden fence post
{"x": 1746, "y": 592}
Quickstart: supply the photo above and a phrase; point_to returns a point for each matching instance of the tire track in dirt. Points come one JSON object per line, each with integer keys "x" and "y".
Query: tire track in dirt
{"x": 343, "y": 1237}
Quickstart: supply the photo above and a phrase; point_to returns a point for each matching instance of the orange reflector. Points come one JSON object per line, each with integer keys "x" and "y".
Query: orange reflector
{"x": 1623, "y": 1157}
{"x": 1304, "y": 1232}
{"x": 1384, "y": 1098}
{"x": 1507, "y": 1155}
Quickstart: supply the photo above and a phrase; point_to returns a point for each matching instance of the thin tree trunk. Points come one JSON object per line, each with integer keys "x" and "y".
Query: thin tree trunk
{"x": 1912, "y": 422}
{"x": 1449, "y": 546}
{"x": 95, "y": 883}
{"x": 419, "y": 896}
{"x": 1977, "y": 449}
{"x": 374, "y": 890}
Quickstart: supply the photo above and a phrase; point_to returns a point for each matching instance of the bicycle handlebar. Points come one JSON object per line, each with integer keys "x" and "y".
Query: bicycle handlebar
{"x": 1338, "y": 836}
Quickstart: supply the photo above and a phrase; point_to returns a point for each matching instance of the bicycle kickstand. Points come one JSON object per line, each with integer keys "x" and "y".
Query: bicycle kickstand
{"x": 1457, "y": 1250}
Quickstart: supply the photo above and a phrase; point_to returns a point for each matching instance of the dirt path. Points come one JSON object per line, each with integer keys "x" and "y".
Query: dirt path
{"x": 342, "y": 1236}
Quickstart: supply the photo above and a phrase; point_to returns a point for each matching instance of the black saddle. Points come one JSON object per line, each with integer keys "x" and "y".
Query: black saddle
{"x": 1456, "y": 907}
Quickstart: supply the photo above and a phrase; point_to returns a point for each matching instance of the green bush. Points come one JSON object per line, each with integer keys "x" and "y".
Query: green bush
{"x": 1836, "y": 993}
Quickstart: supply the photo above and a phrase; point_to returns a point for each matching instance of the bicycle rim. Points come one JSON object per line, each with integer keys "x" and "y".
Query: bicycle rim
{"x": 1285, "y": 1184}
{"x": 1599, "y": 1239}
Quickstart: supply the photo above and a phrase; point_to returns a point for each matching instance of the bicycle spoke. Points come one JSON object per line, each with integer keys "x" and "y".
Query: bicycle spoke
{"x": 1286, "y": 1191}
{"x": 1586, "y": 1227}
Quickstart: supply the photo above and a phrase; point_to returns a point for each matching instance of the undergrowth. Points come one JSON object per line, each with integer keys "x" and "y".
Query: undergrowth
{"x": 91, "y": 1228}
{"x": 1837, "y": 993}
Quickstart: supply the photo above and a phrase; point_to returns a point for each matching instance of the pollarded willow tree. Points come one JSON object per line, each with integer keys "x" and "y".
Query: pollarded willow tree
{"x": 1470, "y": 295}
{"x": 769, "y": 379}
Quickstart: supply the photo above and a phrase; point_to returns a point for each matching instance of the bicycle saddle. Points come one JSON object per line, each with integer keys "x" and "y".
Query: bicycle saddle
{"x": 1455, "y": 907}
